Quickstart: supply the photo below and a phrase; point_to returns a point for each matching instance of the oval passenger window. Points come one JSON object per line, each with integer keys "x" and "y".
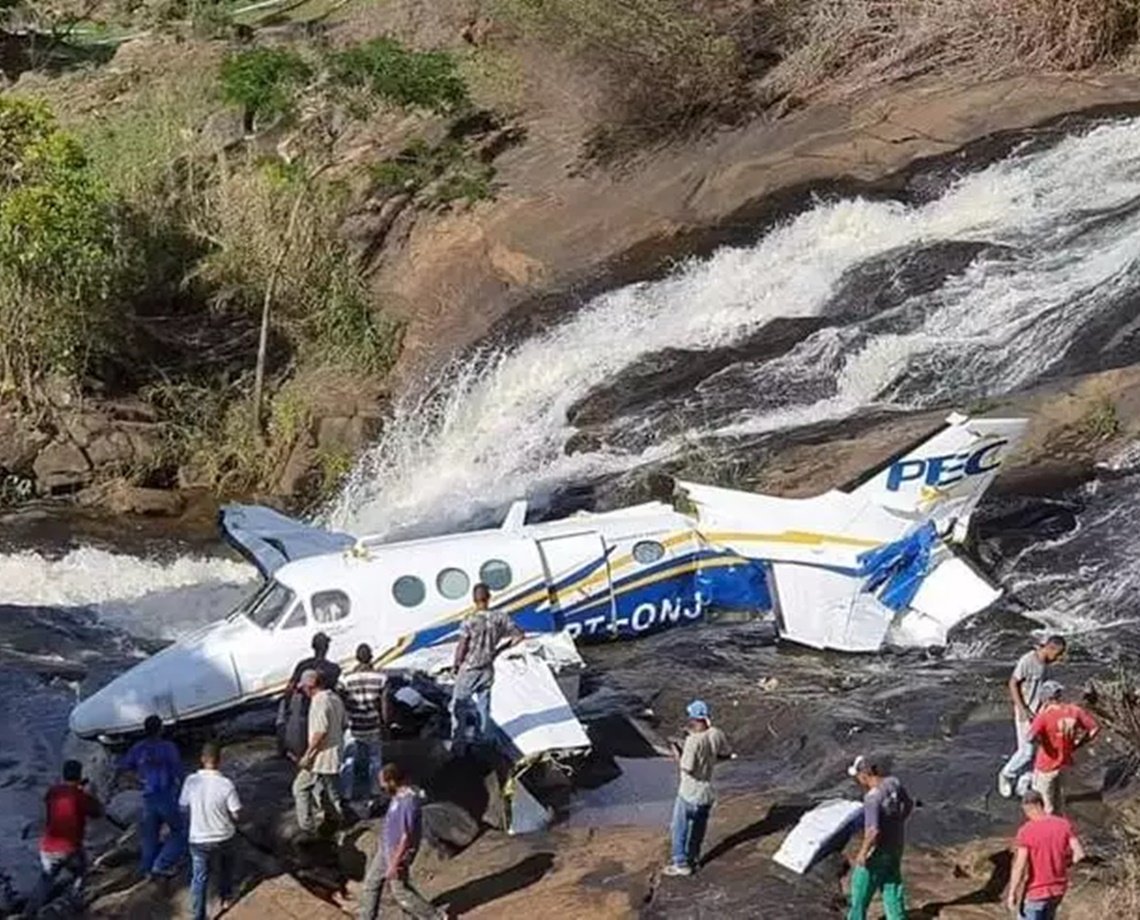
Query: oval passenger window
{"x": 647, "y": 551}
{"x": 330, "y": 606}
{"x": 408, "y": 590}
{"x": 495, "y": 574}
{"x": 452, "y": 583}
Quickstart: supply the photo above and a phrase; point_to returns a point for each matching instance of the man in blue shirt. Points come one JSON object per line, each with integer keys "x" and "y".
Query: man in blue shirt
{"x": 395, "y": 851}
{"x": 158, "y": 766}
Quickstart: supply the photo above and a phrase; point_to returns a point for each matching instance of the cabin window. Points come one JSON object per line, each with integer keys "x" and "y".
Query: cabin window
{"x": 647, "y": 551}
{"x": 273, "y": 603}
{"x": 409, "y": 591}
{"x": 330, "y": 606}
{"x": 495, "y": 574}
{"x": 296, "y": 618}
{"x": 452, "y": 583}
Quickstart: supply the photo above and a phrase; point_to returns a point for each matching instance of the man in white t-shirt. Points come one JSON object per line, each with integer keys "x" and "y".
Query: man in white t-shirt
{"x": 213, "y": 804}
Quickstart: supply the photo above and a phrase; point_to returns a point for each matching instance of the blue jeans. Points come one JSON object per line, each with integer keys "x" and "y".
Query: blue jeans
{"x": 53, "y": 865}
{"x": 472, "y": 696}
{"x": 688, "y": 830}
{"x": 161, "y": 808}
{"x": 1045, "y": 909}
{"x": 201, "y": 855}
{"x": 359, "y": 767}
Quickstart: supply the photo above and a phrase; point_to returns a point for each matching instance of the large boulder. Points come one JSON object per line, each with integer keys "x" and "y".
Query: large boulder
{"x": 285, "y": 898}
{"x": 61, "y": 467}
{"x": 20, "y": 442}
{"x": 119, "y": 497}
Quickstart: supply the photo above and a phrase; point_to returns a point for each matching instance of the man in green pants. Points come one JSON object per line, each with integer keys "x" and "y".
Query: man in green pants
{"x": 878, "y": 862}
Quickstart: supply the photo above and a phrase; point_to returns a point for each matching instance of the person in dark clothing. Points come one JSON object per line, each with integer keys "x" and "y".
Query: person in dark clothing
{"x": 68, "y": 805}
{"x": 158, "y": 766}
{"x": 293, "y": 711}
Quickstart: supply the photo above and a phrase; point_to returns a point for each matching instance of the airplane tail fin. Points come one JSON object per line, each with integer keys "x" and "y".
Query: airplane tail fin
{"x": 944, "y": 476}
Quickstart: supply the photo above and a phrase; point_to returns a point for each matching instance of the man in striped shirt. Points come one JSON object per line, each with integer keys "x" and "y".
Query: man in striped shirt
{"x": 364, "y": 701}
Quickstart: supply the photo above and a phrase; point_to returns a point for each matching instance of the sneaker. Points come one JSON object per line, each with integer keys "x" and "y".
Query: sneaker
{"x": 674, "y": 870}
{"x": 1005, "y": 786}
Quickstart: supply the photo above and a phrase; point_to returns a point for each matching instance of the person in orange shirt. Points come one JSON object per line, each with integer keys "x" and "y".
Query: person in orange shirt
{"x": 1059, "y": 729}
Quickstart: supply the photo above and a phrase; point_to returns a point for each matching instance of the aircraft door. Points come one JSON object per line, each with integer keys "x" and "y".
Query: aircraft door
{"x": 577, "y": 571}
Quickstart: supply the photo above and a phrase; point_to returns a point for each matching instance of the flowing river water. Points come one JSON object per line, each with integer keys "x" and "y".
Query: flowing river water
{"x": 981, "y": 279}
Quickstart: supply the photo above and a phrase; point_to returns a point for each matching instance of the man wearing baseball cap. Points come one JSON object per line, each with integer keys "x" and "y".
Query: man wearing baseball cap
{"x": 704, "y": 746}
{"x": 878, "y": 861}
{"x": 1059, "y": 729}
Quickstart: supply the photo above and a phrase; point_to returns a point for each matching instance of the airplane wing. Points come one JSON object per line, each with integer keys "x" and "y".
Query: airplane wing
{"x": 269, "y": 539}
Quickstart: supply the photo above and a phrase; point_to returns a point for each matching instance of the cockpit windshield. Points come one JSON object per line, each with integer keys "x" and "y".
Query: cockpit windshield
{"x": 269, "y": 605}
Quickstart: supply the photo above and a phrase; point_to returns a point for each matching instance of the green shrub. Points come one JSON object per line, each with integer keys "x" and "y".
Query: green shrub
{"x": 64, "y": 266}
{"x": 412, "y": 79}
{"x": 264, "y": 81}
{"x": 448, "y": 172}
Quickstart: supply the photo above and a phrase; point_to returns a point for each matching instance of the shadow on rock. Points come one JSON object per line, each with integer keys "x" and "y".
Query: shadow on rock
{"x": 481, "y": 891}
{"x": 779, "y": 818}
{"x": 989, "y": 893}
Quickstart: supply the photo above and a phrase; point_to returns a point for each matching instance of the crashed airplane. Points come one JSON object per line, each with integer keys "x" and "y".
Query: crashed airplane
{"x": 872, "y": 563}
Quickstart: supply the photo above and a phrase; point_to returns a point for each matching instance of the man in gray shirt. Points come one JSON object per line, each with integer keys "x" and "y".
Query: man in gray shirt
{"x": 1030, "y": 672}
{"x": 704, "y": 746}
{"x": 878, "y": 861}
{"x": 479, "y": 639}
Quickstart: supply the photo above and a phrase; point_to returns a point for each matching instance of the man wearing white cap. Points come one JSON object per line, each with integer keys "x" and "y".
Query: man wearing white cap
{"x": 878, "y": 861}
{"x": 1059, "y": 729}
{"x": 704, "y": 746}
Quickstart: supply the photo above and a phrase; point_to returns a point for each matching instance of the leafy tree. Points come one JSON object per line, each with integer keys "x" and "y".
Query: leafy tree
{"x": 62, "y": 266}
{"x": 264, "y": 82}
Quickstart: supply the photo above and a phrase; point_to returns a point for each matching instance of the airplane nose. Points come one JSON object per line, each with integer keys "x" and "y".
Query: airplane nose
{"x": 116, "y": 709}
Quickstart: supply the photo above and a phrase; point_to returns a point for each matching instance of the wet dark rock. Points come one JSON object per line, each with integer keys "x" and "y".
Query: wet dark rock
{"x": 889, "y": 281}
{"x": 675, "y": 369}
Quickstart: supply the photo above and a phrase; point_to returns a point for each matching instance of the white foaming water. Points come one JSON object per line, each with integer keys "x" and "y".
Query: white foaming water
{"x": 147, "y": 597}
{"x": 497, "y": 429}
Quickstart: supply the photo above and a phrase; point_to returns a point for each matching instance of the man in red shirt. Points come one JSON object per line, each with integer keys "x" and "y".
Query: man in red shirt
{"x": 69, "y": 805}
{"x": 1059, "y": 729}
{"x": 1045, "y": 847}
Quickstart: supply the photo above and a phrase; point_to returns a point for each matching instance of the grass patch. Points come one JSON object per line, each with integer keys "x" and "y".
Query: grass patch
{"x": 668, "y": 68}
{"x": 411, "y": 79}
{"x": 321, "y": 303}
{"x": 1101, "y": 422}
{"x": 443, "y": 174}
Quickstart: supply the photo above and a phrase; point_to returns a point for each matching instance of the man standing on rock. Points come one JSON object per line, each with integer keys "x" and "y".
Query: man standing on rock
{"x": 294, "y": 706}
{"x": 213, "y": 804}
{"x": 396, "y": 850}
{"x": 878, "y": 861}
{"x": 704, "y": 746}
{"x": 68, "y": 805}
{"x": 364, "y": 700}
{"x": 1030, "y": 672}
{"x": 1044, "y": 849}
{"x": 479, "y": 639}
{"x": 1059, "y": 729}
{"x": 318, "y": 777}
{"x": 158, "y": 766}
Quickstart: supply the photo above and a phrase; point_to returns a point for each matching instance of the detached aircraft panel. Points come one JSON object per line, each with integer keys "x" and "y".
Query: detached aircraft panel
{"x": 825, "y": 609}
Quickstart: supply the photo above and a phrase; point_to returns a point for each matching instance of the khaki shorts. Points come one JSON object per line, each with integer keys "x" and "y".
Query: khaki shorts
{"x": 1051, "y": 788}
